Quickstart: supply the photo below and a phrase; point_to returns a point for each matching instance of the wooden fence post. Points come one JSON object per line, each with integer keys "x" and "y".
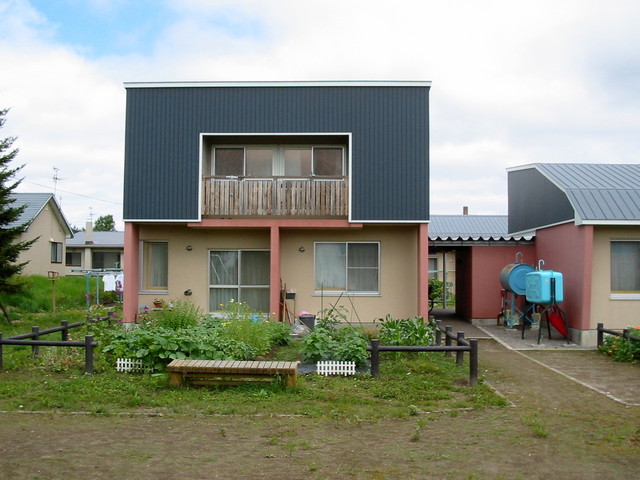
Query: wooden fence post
{"x": 447, "y": 338}
{"x": 375, "y": 358}
{"x": 460, "y": 353}
{"x": 0, "y": 351}
{"x": 35, "y": 349}
{"x": 438, "y": 332}
{"x": 88, "y": 353}
{"x": 473, "y": 362}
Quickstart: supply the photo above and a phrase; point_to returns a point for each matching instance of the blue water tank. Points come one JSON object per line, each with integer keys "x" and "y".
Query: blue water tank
{"x": 512, "y": 277}
{"x": 538, "y": 286}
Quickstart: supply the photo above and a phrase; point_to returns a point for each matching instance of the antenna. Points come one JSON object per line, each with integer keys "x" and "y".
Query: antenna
{"x": 55, "y": 179}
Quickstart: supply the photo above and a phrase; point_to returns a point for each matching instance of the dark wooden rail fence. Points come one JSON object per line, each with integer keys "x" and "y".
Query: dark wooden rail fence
{"x": 462, "y": 345}
{"x": 624, "y": 334}
{"x": 88, "y": 344}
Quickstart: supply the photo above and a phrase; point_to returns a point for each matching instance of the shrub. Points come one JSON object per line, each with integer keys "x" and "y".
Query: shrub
{"x": 157, "y": 346}
{"x": 410, "y": 331}
{"x": 180, "y": 314}
{"x": 328, "y": 342}
{"x": 622, "y": 349}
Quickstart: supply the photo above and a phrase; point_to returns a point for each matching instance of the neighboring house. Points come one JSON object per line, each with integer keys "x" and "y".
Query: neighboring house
{"x": 475, "y": 249}
{"x": 91, "y": 250}
{"x": 586, "y": 219}
{"x": 44, "y": 220}
{"x": 246, "y": 190}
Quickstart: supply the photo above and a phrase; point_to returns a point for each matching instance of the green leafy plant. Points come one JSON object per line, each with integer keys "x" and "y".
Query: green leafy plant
{"x": 410, "y": 331}
{"x": 622, "y": 349}
{"x": 177, "y": 315}
{"x": 330, "y": 342}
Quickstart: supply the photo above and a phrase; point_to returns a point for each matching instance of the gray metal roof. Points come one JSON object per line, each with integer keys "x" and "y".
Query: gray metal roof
{"x": 35, "y": 202}
{"x": 599, "y": 193}
{"x": 470, "y": 227}
{"x": 100, "y": 239}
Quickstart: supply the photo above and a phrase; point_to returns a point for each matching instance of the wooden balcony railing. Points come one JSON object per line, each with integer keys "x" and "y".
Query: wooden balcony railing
{"x": 301, "y": 197}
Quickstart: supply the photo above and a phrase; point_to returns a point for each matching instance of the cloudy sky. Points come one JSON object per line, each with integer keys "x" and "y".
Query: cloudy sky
{"x": 513, "y": 82}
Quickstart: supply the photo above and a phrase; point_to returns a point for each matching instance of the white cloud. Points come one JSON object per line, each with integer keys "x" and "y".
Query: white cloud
{"x": 513, "y": 82}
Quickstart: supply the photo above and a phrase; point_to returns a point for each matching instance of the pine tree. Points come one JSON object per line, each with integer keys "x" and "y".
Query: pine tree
{"x": 10, "y": 248}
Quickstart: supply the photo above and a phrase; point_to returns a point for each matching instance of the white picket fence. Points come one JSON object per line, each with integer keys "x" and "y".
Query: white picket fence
{"x": 335, "y": 368}
{"x": 131, "y": 365}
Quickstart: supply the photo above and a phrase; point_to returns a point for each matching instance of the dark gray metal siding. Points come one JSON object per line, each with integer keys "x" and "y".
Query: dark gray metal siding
{"x": 535, "y": 202}
{"x": 390, "y": 142}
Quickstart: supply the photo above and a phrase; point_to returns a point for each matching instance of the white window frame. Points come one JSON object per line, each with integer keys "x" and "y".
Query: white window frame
{"x": 346, "y": 291}
{"x": 238, "y": 287}
{"x": 621, "y": 295}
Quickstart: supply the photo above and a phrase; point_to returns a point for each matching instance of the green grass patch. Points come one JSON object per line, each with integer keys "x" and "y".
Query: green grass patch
{"x": 406, "y": 387}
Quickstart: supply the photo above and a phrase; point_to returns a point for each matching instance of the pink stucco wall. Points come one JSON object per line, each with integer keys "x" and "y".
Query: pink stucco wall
{"x": 479, "y": 296}
{"x": 568, "y": 249}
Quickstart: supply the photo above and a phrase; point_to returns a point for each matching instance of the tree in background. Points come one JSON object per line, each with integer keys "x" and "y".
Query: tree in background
{"x": 10, "y": 248}
{"x": 105, "y": 223}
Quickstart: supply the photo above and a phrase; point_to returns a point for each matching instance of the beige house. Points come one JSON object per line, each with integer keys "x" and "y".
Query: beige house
{"x": 45, "y": 221}
{"x": 91, "y": 250}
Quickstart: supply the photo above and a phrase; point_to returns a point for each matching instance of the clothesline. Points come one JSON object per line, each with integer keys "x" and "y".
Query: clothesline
{"x": 113, "y": 280}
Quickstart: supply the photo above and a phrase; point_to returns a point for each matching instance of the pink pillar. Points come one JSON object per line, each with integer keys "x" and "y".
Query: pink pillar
{"x": 423, "y": 270}
{"x": 274, "y": 282}
{"x": 131, "y": 272}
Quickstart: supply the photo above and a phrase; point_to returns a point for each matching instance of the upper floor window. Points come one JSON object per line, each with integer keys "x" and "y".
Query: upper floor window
{"x": 278, "y": 160}
{"x": 625, "y": 268}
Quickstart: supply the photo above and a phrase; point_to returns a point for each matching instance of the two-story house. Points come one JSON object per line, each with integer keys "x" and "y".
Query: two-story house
{"x": 246, "y": 190}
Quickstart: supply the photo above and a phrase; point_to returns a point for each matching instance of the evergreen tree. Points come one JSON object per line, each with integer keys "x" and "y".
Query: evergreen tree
{"x": 105, "y": 223}
{"x": 10, "y": 248}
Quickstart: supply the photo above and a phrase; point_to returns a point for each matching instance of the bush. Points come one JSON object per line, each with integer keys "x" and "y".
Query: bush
{"x": 178, "y": 315}
{"x": 411, "y": 331}
{"x": 622, "y": 349}
{"x": 330, "y": 342}
{"x": 157, "y": 346}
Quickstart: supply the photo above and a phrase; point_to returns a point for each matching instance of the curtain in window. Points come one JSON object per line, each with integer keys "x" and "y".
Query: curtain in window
{"x": 158, "y": 265}
{"x": 625, "y": 266}
{"x": 362, "y": 268}
{"x": 331, "y": 272}
{"x": 242, "y": 275}
{"x": 297, "y": 162}
{"x": 223, "y": 268}
{"x": 259, "y": 162}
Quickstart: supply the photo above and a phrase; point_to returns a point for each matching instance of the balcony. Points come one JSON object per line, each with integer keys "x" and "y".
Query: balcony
{"x": 298, "y": 197}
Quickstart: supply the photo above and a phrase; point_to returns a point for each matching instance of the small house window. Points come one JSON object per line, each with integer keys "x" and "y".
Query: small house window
{"x": 347, "y": 267}
{"x": 73, "y": 258}
{"x": 156, "y": 266}
{"x": 56, "y": 252}
{"x": 625, "y": 267}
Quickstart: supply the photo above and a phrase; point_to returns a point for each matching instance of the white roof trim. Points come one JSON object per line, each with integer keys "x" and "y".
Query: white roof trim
{"x": 339, "y": 83}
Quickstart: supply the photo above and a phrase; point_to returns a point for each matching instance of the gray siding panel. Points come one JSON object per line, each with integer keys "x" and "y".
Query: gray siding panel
{"x": 534, "y": 201}
{"x": 390, "y": 142}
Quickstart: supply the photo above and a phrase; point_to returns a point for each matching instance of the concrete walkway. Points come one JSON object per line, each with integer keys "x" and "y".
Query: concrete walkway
{"x": 586, "y": 366}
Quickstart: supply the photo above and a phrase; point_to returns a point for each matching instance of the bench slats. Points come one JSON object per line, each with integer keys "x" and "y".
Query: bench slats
{"x": 224, "y": 371}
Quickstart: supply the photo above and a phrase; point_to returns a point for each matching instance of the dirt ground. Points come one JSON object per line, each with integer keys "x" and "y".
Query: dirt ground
{"x": 556, "y": 428}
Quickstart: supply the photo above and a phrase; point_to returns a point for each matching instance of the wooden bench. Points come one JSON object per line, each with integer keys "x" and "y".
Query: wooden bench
{"x": 230, "y": 372}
